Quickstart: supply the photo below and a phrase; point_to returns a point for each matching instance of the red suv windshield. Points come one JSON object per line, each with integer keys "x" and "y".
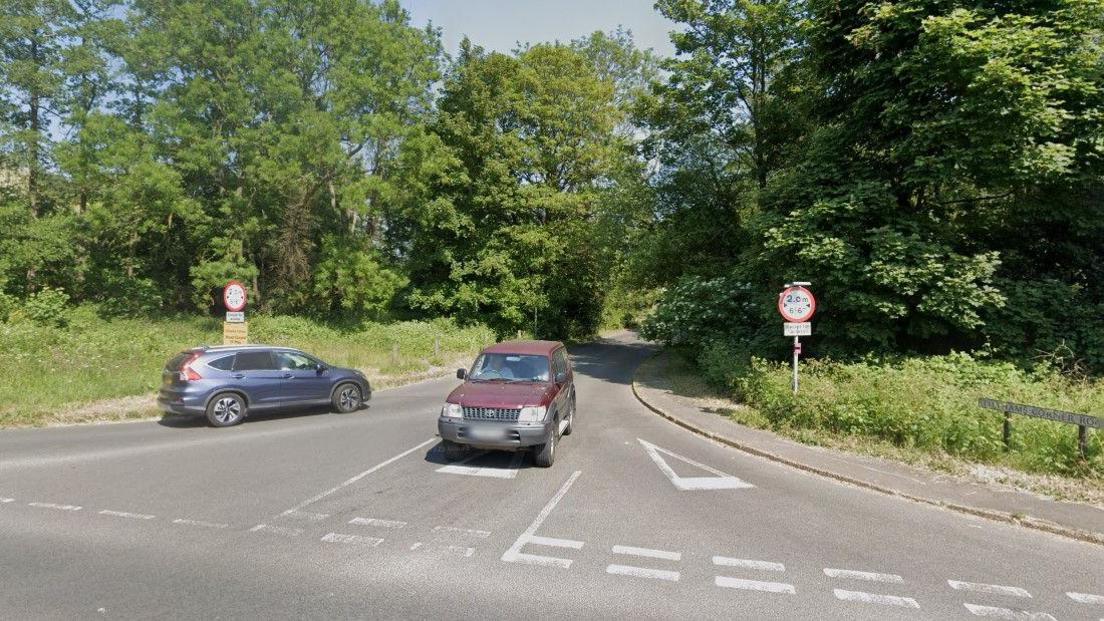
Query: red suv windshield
{"x": 513, "y": 367}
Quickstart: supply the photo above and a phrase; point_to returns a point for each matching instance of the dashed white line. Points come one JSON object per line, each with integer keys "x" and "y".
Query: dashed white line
{"x": 128, "y": 515}
{"x": 350, "y": 481}
{"x": 51, "y": 505}
{"x": 462, "y": 551}
{"x": 1086, "y": 598}
{"x": 556, "y": 543}
{"x": 995, "y": 612}
{"x": 377, "y": 522}
{"x": 6, "y": 500}
{"x": 748, "y": 563}
{"x": 199, "y": 523}
{"x": 648, "y": 553}
{"x": 875, "y": 598}
{"x": 869, "y": 576}
{"x": 753, "y": 585}
{"x": 417, "y": 544}
{"x": 537, "y": 559}
{"x": 991, "y": 589}
{"x": 306, "y": 515}
{"x": 277, "y": 530}
{"x": 643, "y": 572}
{"x": 353, "y": 539}
{"x": 514, "y": 554}
{"x": 482, "y": 534}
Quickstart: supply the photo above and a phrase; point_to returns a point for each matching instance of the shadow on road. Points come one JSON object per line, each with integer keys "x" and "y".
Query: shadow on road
{"x": 180, "y": 421}
{"x": 612, "y": 359}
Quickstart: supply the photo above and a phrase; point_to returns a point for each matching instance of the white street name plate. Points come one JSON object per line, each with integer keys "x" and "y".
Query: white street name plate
{"x": 237, "y": 317}
{"x": 794, "y": 329}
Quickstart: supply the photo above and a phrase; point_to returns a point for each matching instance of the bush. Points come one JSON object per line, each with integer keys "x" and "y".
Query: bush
{"x": 47, "y": 306}
{"x": 927, "y": 403}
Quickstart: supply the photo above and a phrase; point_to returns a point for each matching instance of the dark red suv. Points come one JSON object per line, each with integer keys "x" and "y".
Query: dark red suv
{"x": 518, "y": 395}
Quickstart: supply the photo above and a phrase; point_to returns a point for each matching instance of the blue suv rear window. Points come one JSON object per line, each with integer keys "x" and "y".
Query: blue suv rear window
{"x": 224, "y": 363}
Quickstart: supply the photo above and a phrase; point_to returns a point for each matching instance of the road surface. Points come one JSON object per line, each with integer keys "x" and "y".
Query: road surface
{"x": 357, "y": 515}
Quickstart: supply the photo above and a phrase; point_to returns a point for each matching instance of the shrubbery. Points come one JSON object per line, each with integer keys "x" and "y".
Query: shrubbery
{"x": 926, "y": 403}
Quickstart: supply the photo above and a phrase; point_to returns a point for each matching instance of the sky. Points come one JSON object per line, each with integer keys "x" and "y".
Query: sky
{"x": 500, "y": 25}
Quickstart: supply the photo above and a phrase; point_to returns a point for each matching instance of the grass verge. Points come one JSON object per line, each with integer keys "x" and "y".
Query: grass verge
{"x": 96, "y": 369}
{"x": 1054, "y": 473}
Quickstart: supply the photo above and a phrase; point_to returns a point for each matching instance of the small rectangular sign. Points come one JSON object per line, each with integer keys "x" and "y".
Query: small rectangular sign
{"x": 797, "y": 329}
{"x": 238, "y": 317}
{"x": 235, "y": 333}
{"x": 1030, "y": 410}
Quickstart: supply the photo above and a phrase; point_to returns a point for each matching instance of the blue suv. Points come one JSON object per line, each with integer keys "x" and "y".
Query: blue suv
{"x": 228, "y": 382}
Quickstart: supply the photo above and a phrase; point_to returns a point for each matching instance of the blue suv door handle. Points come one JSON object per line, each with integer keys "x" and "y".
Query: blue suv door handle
{"x": 288, "y": 376}
{"x": 238, "y": 375}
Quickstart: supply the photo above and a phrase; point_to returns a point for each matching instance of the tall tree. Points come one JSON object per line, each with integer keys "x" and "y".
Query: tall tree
{"x": 31, "y": 78}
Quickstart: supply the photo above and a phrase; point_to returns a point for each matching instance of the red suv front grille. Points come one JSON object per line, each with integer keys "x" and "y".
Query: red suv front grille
{"x": 498, "y": 414}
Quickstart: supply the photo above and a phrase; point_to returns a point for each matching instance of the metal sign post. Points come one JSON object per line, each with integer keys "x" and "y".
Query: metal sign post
{"x": 797, "y": 305}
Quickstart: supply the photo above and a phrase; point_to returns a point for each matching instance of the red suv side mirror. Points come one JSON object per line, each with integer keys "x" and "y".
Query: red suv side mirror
{"x": 461, "y": 373}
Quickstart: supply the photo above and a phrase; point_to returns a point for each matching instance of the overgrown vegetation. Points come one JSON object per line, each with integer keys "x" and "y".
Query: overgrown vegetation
{"x": 49, "y": 368}
{"x": 927, "y": 404}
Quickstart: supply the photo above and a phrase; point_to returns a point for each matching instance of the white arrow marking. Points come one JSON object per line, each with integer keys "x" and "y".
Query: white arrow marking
{"x": 722, "y": 480}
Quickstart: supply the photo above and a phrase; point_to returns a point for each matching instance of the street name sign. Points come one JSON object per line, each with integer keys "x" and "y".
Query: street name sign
{"x": 238, "y": 317}
{"x": 1073, "y": 418}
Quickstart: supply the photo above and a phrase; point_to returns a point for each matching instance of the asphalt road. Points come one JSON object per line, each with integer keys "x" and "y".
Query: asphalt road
{"x": 357, "y": 515}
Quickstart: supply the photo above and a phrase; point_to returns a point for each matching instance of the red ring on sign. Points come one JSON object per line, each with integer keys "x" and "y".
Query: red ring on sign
{"x": 226, "y": 301}
{"x": 792, "y": 318}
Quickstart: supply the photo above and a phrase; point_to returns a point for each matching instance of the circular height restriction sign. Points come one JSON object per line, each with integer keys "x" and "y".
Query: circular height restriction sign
{"x": 796, "y": 304}
{"x": 233, "y": 296}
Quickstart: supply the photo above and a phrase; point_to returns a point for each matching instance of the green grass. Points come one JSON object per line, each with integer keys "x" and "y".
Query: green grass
{"x": 45, "y": 371}
{"x": 923, "y": 406}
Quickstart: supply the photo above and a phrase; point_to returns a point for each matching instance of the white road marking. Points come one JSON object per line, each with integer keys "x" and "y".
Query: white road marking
{"x": 51, "y": 505}
{"x": 509, "y": 472}
{"x": 354, "y": 539}
{"x": 991, "y": 589}
{"x": 482, "y": 534}
{"x": 462, "y": 551}
{"x": 199, "y": 523}
{"x": 377, "y": 522}
{"x": 514, "y": 554}
{"x": 538, "y": 559}
{"x": 306, "y": 515}
{"x": 417, "y": 544}
{"x": 277, "y": 530}
{"x": 994, "y": 612}
{"x": 125, "y": 514}
{"x": 1086, "y": 598}
{"x": 648, "y": 552}
{"x": 6, "y": 500}
{"x": 862, "y": 575}
{"x": 643, "y": 572}
{"x": 753, "y": 585}
{"x": 722, "y": 480}
{"x": 356, "y": 478}
{"x": 748, "y": 563}
{"x": 557, "y": 543}
{"x": 875, "y": 598}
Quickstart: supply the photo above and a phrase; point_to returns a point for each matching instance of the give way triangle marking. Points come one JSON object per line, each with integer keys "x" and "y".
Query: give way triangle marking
{"x": 720, "y": 481}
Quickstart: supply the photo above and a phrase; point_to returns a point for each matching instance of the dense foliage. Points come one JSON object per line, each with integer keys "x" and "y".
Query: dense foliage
{"x": 326, "y": 153}
{"x": 935, "y": 168}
